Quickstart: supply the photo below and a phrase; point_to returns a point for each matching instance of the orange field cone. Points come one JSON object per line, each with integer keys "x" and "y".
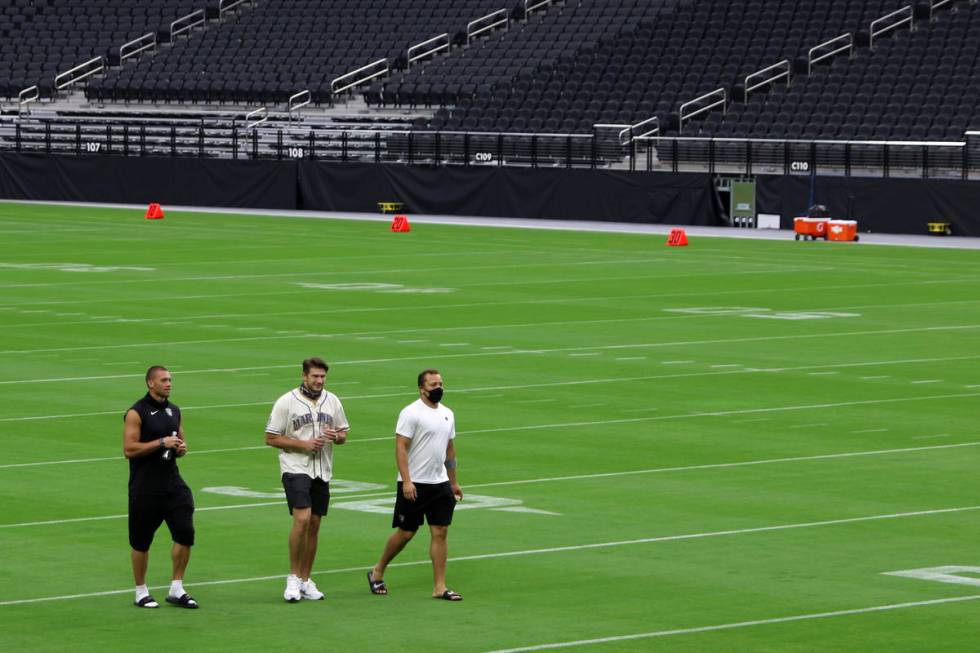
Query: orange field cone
{"x": 677, "y": 238}
{"x": 400, "y": 224}
{"x": 154, "y": 212}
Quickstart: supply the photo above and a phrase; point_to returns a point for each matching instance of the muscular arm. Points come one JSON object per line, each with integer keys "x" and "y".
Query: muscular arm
{"x": 132, "y": 447}
{"x": 401, "y": 459}
{"x": 292, "y": 444}
{"x": 451, "y": 471}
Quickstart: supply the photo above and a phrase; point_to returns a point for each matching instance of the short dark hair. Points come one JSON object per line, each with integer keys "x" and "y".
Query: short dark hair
{"x": 315, "y": 362}
{"x": 153, "y": 370}
{"x": 425, "y": 373}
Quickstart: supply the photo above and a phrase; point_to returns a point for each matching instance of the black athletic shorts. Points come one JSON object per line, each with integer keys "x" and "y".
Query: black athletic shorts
{"x": 434, "y": 502}
{"x": 148, "y": 511}
{"x": 305, "y": 492}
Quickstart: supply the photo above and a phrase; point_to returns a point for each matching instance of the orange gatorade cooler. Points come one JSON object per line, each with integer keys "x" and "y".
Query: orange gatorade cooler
{"x": 844, "y": 230}
{"x": 811, "y": 228}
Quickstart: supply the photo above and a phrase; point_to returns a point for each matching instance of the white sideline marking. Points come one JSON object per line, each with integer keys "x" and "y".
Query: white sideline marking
{"x": 719, "y": 367}
{"x": 584, "y": 353}
{"x": 924, "y": 381}
{"x": 718, "y": 413}
{"x": 794, "y": 336}
{"x": 553, "y": 479}
{"x": 830, "y": 373}
{"x": 631, "y": 358}
{"x": 873, "y": 378}
{"x": 738, "y": 624}
{"x": 223, "y": 370}
{"x": 557, "y": 549}
{"x": 869, "y": 431}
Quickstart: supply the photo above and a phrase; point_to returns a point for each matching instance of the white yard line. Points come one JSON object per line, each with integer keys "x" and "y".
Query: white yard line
{"x": 738, "y": 624}
{"x": 550, "y": 550}
{"x": 552, "y": 479}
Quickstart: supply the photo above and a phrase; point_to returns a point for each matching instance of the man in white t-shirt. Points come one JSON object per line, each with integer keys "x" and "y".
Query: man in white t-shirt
{"x": 427, "y": 487}
{"x": 305, "y": 425}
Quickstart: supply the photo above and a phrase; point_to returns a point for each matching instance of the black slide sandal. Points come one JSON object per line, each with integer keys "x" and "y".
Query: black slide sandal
{"x": 185, "y": 601}
{"x": 147, "y": 602}
{"x": 449, "y": 595}
{"x": 377, "y": 586}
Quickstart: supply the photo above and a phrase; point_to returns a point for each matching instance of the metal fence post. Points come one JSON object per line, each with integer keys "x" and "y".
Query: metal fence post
{"x": 234, "y": 142}
{"x": 78, "y": 139}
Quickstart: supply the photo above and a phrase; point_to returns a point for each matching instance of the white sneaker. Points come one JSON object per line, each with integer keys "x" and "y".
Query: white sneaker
{"x": 292, "y": 593}
{"x": 309, "y": 591}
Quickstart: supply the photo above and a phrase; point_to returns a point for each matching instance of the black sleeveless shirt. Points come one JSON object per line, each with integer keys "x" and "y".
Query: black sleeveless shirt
{"x": 151, "y": 474}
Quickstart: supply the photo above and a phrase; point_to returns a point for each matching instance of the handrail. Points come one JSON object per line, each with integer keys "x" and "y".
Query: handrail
{"x": 24, "y": 97}
{"x": 261, "y": 111}
{"x": 141, "y": 42}
{"x": 730, "y": 139}
{"x": 470, "y": 32}
{"x": 531, "y": 5}
{"x": 787, "y": 73}
{"x": 810, "y": 60}
{"x": 58, "y": 84}
{"x": 296, "y": 96}
{"x": 907, "y": 19}
{"x": 354, "y": 73}
{"x": 191, "y": 23}
{"x": 228, "y": 5}
{"x": 631, "y": 128}
{"x": 444, "y": 46}
{"x": 936, "y": 4}
{"x": 723, "y": 102}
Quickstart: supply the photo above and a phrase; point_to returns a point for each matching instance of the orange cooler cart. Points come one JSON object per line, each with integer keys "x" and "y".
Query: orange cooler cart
{"x": 810, "y": 228}
{"x": 843, "y": 230}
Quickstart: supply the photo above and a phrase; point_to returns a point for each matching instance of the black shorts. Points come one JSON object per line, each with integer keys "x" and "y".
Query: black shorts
{"x": 434, "y": 502}
{"x": 148, "y": 511}
{"x": 305, "y": 492}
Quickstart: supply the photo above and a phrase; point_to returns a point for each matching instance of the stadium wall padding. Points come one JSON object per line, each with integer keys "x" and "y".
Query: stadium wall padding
{"x": 312, "y": 185}
{"x": 139, "y": 180}
{"x": 880, "y": 205}
{"x": 542, "y": 193}
{"x": 898, "y": 206}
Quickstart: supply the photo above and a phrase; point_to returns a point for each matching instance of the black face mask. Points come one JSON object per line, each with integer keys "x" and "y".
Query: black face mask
{"x": 435, "y": 395}
{"x": 306, "y": 392}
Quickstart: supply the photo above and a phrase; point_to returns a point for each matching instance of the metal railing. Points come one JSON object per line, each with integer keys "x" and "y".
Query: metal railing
{"x": 842, "y": 43}
{"x": 937, "y": 4}
{"x": 488, "y": 22}
{"x": 299, "y": 100}
{"x": 133, "y": 48}
{"x": 359, "y": 76}
{"x": 892, "y": 159}
{"x": 186, "y": 23}
{"x": 441, "y": 41}
{"x": 225, "y": 6}
{"x": 904, "y": 16}
{"x": 534, "y": 5}
{"x": 255, "y": 118}
{"x": 28, "y": 95}
{"x": 79, "y": 72}
{"x": 722, "y": 101}
{"x": 602, "y": 149}
{"x": 785, "y": 71}
{"x": 631, "y": 130}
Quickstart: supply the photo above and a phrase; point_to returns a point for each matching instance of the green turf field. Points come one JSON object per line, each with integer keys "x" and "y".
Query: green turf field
{"x": 722, "y": 447}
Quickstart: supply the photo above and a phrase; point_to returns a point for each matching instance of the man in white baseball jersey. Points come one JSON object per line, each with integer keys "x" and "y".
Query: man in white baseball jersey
{"x": 305, "y": 425}
{"x": 427, "y": 487}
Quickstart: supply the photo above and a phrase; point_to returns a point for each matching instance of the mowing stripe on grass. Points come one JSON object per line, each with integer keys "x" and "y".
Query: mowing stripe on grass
{"x": 739, "y": 624}
{"x": 557, "y": 549}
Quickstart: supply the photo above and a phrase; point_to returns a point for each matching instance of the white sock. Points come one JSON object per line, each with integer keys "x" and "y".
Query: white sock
{"x": 292, "y": 577}
{"x": 177, "y": 588}
{"x": 141, "y": 591}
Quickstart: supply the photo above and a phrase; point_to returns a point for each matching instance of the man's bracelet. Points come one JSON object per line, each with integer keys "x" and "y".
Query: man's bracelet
{"x": 451, "y": 463}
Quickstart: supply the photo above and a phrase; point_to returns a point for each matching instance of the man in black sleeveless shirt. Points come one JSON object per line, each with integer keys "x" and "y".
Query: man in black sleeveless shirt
{"x": 153, "y": 438}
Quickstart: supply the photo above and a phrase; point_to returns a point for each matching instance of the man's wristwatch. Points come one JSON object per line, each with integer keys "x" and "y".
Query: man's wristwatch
{"x": 163, "y": 445}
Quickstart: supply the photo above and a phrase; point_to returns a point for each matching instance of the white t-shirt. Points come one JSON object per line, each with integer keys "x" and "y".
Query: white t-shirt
{"x": 295, "y": 416}
{"x": 430, "y": 430}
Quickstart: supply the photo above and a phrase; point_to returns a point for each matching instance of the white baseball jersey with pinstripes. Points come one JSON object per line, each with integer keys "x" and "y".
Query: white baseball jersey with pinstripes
{"x": 295, "y": 416}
